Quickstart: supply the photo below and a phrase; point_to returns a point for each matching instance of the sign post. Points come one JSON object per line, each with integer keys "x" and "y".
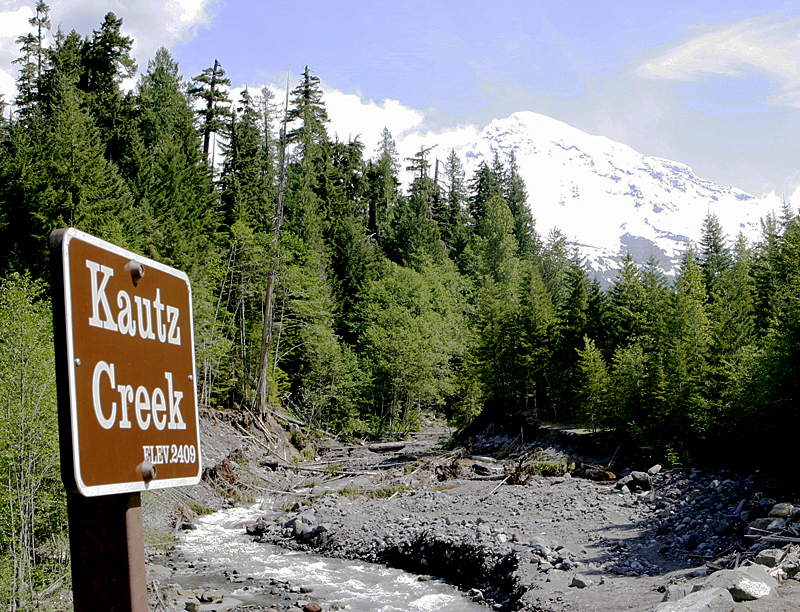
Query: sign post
{"x": 127, "y": 402}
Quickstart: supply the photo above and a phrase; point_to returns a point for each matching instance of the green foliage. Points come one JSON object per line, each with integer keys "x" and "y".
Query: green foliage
{"x": 32, "y": 500}
{"x": 594, "y": 381}
{"x": 386, "y": 300}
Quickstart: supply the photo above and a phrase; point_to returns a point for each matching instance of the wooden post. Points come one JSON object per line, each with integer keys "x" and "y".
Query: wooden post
{"x": 107, "y": 548}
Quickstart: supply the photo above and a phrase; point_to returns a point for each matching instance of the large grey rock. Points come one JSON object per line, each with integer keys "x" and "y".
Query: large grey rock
{"x": 675, "y": 592}
{"x": 791, "y": 564}
{"x": 761, "y": 525}
{"x": 159, "y": 572}
{"x": 744, "y": 583}
{"x": 707, "y": 600}
{"x": 770, "y": 557}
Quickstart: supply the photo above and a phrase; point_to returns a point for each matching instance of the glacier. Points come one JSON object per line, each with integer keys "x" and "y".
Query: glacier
{"x": 609, "y": 199}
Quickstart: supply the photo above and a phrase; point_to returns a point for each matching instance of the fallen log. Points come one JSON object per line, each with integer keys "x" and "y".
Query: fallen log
{"x": 385, "y": 447}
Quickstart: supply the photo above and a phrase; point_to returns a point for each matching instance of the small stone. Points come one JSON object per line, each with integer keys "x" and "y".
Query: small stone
{"x": 312, "y": 606}
{"x": 692, "y": 541}
{"x": 160, "y": 573}
{"x": 781, "y": 510}
{"x": 299, "y": 527}
{"x": 654, "y": 470}
{"x": 476, "y": 595}
{"x": 580, "y": 581}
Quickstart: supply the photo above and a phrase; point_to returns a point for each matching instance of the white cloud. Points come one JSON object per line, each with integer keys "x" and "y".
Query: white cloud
{"x": 769, "y": 45}
{"x": 352, "y": 116}
{"x": 13, "y": 23}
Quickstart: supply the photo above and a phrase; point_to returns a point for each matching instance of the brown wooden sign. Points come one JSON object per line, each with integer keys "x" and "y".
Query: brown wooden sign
{"x": 127, "y": 366}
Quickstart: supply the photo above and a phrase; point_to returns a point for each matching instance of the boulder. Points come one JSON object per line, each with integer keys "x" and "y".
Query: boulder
{"x": 744, "y": 583}
{"x": 634, "y": 481}
{"x": 709, "y": 600}
{"x": 159, "y": 572}
{"x": 770, "y": 557}
{"x": 675, "y": 592}
{"x": 258, "y": 528}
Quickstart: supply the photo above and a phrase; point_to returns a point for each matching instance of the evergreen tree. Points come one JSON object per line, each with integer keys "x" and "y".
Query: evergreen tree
{"x": 107, "y": 62}
{"x": 516, "y": 196}
{"x": 454, "y": 231}
{"x": 538, "y": 335}
{"x": 210, "y": 87}
{"x": 686, "y": 416}
{"x": 486, "y": 183}
{"x": 304, "y": 214}
{"x": 172, "y": 184}
{"x": 245, "y": 182}
{"x": 556, "y": 257}
{"x": 714, "y": 254}
{"x": 594, "y": 385}
{"x": 626, "y": 304}
{"x": 34, "y": 61}
{"x": 414, "y": 234}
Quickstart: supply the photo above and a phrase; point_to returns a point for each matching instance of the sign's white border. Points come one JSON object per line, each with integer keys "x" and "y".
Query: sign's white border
{"x": 123, "y": 487}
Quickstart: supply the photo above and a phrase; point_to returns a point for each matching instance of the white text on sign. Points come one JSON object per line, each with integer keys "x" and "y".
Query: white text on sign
{"x": 156, "y": 407}
{"x": 166, "y": 316}
{"x": 159, "y": 454}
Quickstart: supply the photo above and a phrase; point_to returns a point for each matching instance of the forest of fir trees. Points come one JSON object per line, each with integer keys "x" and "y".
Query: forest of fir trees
{"x": 326, "y": 289}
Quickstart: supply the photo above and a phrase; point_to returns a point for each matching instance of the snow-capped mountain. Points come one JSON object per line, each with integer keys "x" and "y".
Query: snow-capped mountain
{"x": 608, "y": 198}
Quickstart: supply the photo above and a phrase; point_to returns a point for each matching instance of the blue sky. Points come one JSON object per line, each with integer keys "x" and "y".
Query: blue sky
{"x": 715, "y": 85}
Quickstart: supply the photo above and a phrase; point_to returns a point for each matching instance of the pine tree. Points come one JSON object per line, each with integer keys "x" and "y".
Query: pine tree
{"x": 304, "y": 204}
{"x": 626, "y": 304}
{"x": 33, "y": 63}
{"x": 414, "y": 236}
{"x": 516, "y": 196}
{"x": 714, "y": 254}
{"x": 538, "y": 334}
{"x": 593, "y": 385}
{"x": 245, "y": 182}
{"x": 382, "y": 184}
{"x": 107, "y": 62}
{"x": 172, "y": 184}
{"x": 486, "y": 183}
{"x": 686, "y": 417}
{"x": 210, "y": 87}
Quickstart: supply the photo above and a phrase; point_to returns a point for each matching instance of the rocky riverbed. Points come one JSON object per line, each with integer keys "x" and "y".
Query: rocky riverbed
{"x": 544, "y": 543}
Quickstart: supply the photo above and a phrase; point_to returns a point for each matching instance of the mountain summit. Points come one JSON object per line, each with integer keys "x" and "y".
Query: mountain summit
{"x": 609, "y": 199}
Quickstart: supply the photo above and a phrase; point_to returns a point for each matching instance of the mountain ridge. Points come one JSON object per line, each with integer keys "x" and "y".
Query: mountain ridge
{"x": 608, "y": 198}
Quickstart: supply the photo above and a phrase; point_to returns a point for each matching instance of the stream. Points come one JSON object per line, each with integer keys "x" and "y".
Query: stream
{"x": 220, "y": 545}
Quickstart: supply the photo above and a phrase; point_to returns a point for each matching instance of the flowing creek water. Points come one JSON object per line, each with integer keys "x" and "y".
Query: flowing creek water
{"x": 219, "y": 544}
